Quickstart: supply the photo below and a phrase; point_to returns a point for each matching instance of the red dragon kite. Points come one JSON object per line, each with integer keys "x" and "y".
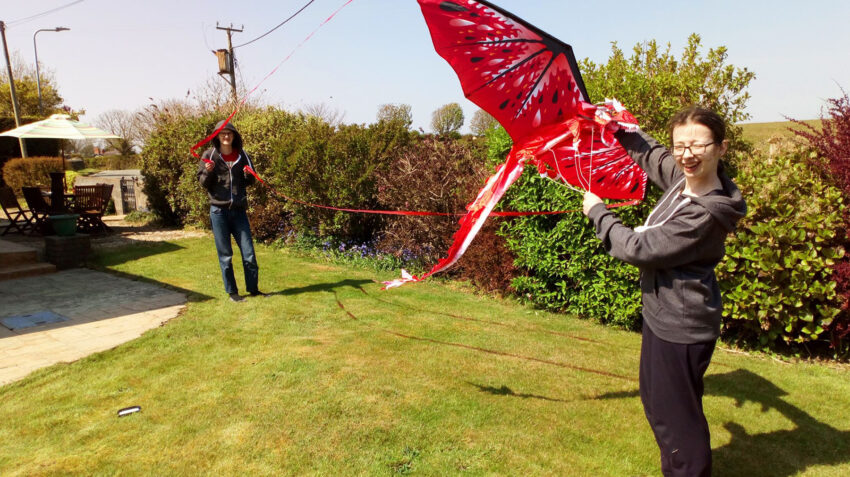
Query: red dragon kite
{"x": 530, "y": 82}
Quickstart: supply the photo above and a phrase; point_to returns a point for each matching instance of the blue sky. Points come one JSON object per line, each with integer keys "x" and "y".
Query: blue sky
{"x": 120, "y": 53}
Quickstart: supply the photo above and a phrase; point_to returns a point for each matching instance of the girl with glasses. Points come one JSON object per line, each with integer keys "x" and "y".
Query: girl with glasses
{"x": 677, "y": 250}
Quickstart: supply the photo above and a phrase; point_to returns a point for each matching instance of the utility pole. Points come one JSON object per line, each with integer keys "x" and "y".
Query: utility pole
{"x": 12, "y": 88}
{"x": 231, "y": 61}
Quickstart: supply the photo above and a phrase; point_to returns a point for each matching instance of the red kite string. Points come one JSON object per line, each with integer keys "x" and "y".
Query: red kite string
{"x": 507, "y": 213}
{"x": 273, "y": 71}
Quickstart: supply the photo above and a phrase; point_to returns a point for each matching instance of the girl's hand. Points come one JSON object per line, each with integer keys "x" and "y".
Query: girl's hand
{"x": 590, "y": 199}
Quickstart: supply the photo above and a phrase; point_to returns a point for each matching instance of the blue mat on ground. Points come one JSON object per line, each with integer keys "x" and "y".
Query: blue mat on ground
{"x": 33, "y": 319}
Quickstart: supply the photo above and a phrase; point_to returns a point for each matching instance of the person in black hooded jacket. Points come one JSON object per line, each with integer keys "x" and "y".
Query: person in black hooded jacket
{"x": 677, "y": 250}
{"x": 222, "y": 174}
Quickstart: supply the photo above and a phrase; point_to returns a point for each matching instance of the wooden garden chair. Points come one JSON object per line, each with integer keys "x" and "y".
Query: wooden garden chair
{"x": 19, "y": 218}
{"x": 39, "y": 208}
{"x": 90, "y": 201}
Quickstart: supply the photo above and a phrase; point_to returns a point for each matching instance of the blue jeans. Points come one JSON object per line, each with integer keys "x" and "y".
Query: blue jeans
{"x": 227, "y": 223}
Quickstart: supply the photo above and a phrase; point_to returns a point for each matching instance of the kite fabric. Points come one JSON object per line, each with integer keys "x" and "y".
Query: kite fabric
{"x": 530, "y": 82}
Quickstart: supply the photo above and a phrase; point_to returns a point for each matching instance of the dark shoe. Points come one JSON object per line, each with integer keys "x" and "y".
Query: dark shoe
{"x": 236, "y": 297}
{"x": 259, "y": 293}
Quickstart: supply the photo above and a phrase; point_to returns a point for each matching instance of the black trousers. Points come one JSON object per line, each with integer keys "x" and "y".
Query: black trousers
{"x": 671, "y": 389}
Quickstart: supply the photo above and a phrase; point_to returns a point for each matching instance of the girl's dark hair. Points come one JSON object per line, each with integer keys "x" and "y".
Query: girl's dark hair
{"x": 700, "y": 115}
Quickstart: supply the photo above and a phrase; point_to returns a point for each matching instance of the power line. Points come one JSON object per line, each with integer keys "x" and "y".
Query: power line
{"x": 38, "y": 15}
{"x": 275, "y": 28}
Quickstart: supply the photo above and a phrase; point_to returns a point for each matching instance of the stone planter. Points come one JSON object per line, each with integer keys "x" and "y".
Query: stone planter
{"x": 67, "y": 252}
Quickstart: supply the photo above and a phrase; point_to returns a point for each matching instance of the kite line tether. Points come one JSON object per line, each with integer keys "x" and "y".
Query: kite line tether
{"x": 272, "y": 72}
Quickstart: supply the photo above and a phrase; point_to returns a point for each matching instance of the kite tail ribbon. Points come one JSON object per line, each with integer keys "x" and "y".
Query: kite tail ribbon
{"x": 478, "y": 210}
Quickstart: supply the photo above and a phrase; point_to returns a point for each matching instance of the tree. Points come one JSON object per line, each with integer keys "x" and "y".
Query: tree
{"x": 26, "y": 90}
{"x": 334, "y": 117}
{"x": 447, "y": 119}
{"x": 125, "y": 124}
{"x": 396, "y": 113}
{"x": 482, "y": 122}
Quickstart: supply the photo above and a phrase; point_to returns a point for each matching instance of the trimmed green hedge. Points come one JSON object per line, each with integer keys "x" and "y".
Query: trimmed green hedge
{"x": 31, "y": 171}
{"x": 776, "y": 278}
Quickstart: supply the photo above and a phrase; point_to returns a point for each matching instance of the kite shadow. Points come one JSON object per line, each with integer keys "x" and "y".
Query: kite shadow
{"x": 322, "y": 287}
{"x": 506, "y": 391}
{"x": 778, "y": 453}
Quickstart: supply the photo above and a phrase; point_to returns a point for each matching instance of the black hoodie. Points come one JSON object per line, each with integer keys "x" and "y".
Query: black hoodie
{"x": 678, "y": 248}
{"x": 226, "y": 185}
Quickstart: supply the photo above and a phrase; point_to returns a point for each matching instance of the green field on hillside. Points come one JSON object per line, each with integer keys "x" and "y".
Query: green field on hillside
{"x": 760, "y": 132}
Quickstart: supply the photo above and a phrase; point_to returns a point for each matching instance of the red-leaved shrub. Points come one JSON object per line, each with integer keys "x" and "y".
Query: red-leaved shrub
{"x": 442, "y": 175}
{"x": 832, "y": 144}
{"x": 435, "y": 175}
{"x": 488, "y": 263}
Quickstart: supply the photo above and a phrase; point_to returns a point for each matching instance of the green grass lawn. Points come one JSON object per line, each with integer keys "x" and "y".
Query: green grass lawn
{"x": 758, "y": 133}
{"x": 331, "y": 376}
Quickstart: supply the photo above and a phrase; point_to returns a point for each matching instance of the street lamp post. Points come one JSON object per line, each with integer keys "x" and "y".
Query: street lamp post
{"x": 37, "y": 75}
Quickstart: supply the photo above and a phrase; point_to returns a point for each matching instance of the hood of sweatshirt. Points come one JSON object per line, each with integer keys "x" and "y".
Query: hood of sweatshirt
{"x": 237, "y": 138}
{"x": 727, "y": 207}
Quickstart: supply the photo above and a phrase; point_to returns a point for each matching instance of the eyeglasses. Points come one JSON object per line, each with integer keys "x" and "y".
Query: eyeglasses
{"x": 696, "y": 149}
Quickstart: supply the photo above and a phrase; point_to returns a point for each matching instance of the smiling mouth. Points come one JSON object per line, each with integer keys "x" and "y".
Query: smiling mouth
{"x": 690, "y": 167}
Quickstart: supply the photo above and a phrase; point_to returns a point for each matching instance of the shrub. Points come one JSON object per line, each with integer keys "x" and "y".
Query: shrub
{"x": 305, "y": 158}
{"x": 30, "y": 171}
{"x": 169, "y": 170}
{"x": 437, "y": 175}
{"x": 488, "y": 262}
{"x": 776, "y": 275}
{"x": 269, "y": 218}
{"x": 567, "y": 269}
{"x": 330, "y": 166}
{"x": 831, "y": 143}
{"x": 139, "y": 217}
{"x": 654, "y": 85}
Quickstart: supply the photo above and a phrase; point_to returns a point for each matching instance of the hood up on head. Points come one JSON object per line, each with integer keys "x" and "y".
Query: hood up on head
{"x": 237, "y": 138}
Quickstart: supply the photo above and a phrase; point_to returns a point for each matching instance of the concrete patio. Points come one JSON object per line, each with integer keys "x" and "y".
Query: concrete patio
{"x": 101, "y": 311}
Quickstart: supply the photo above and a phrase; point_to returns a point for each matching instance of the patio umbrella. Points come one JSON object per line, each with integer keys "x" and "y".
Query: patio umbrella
{"x": 59, "y": 126}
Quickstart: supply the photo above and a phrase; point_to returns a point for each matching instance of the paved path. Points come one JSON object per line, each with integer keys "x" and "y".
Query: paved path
{"x": 103, "y": 311}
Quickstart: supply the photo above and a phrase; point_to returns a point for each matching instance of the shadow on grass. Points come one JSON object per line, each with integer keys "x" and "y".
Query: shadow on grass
{"x": 130, "y": 250}
{"x": 506, "y": 391}
{"x": 135, "y": 250}
{"x": 479, "y": 320}
{"x": 778, "y": 453}
{"x": 322, "y": 287}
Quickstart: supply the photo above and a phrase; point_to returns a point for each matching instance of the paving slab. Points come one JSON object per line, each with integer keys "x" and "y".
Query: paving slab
{"x": 102, "y": 311}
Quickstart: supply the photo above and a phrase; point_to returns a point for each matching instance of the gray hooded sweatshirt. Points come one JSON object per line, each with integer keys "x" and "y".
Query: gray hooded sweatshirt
{"x": 678, "y": 247}
{"x": 226, "y": 185}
